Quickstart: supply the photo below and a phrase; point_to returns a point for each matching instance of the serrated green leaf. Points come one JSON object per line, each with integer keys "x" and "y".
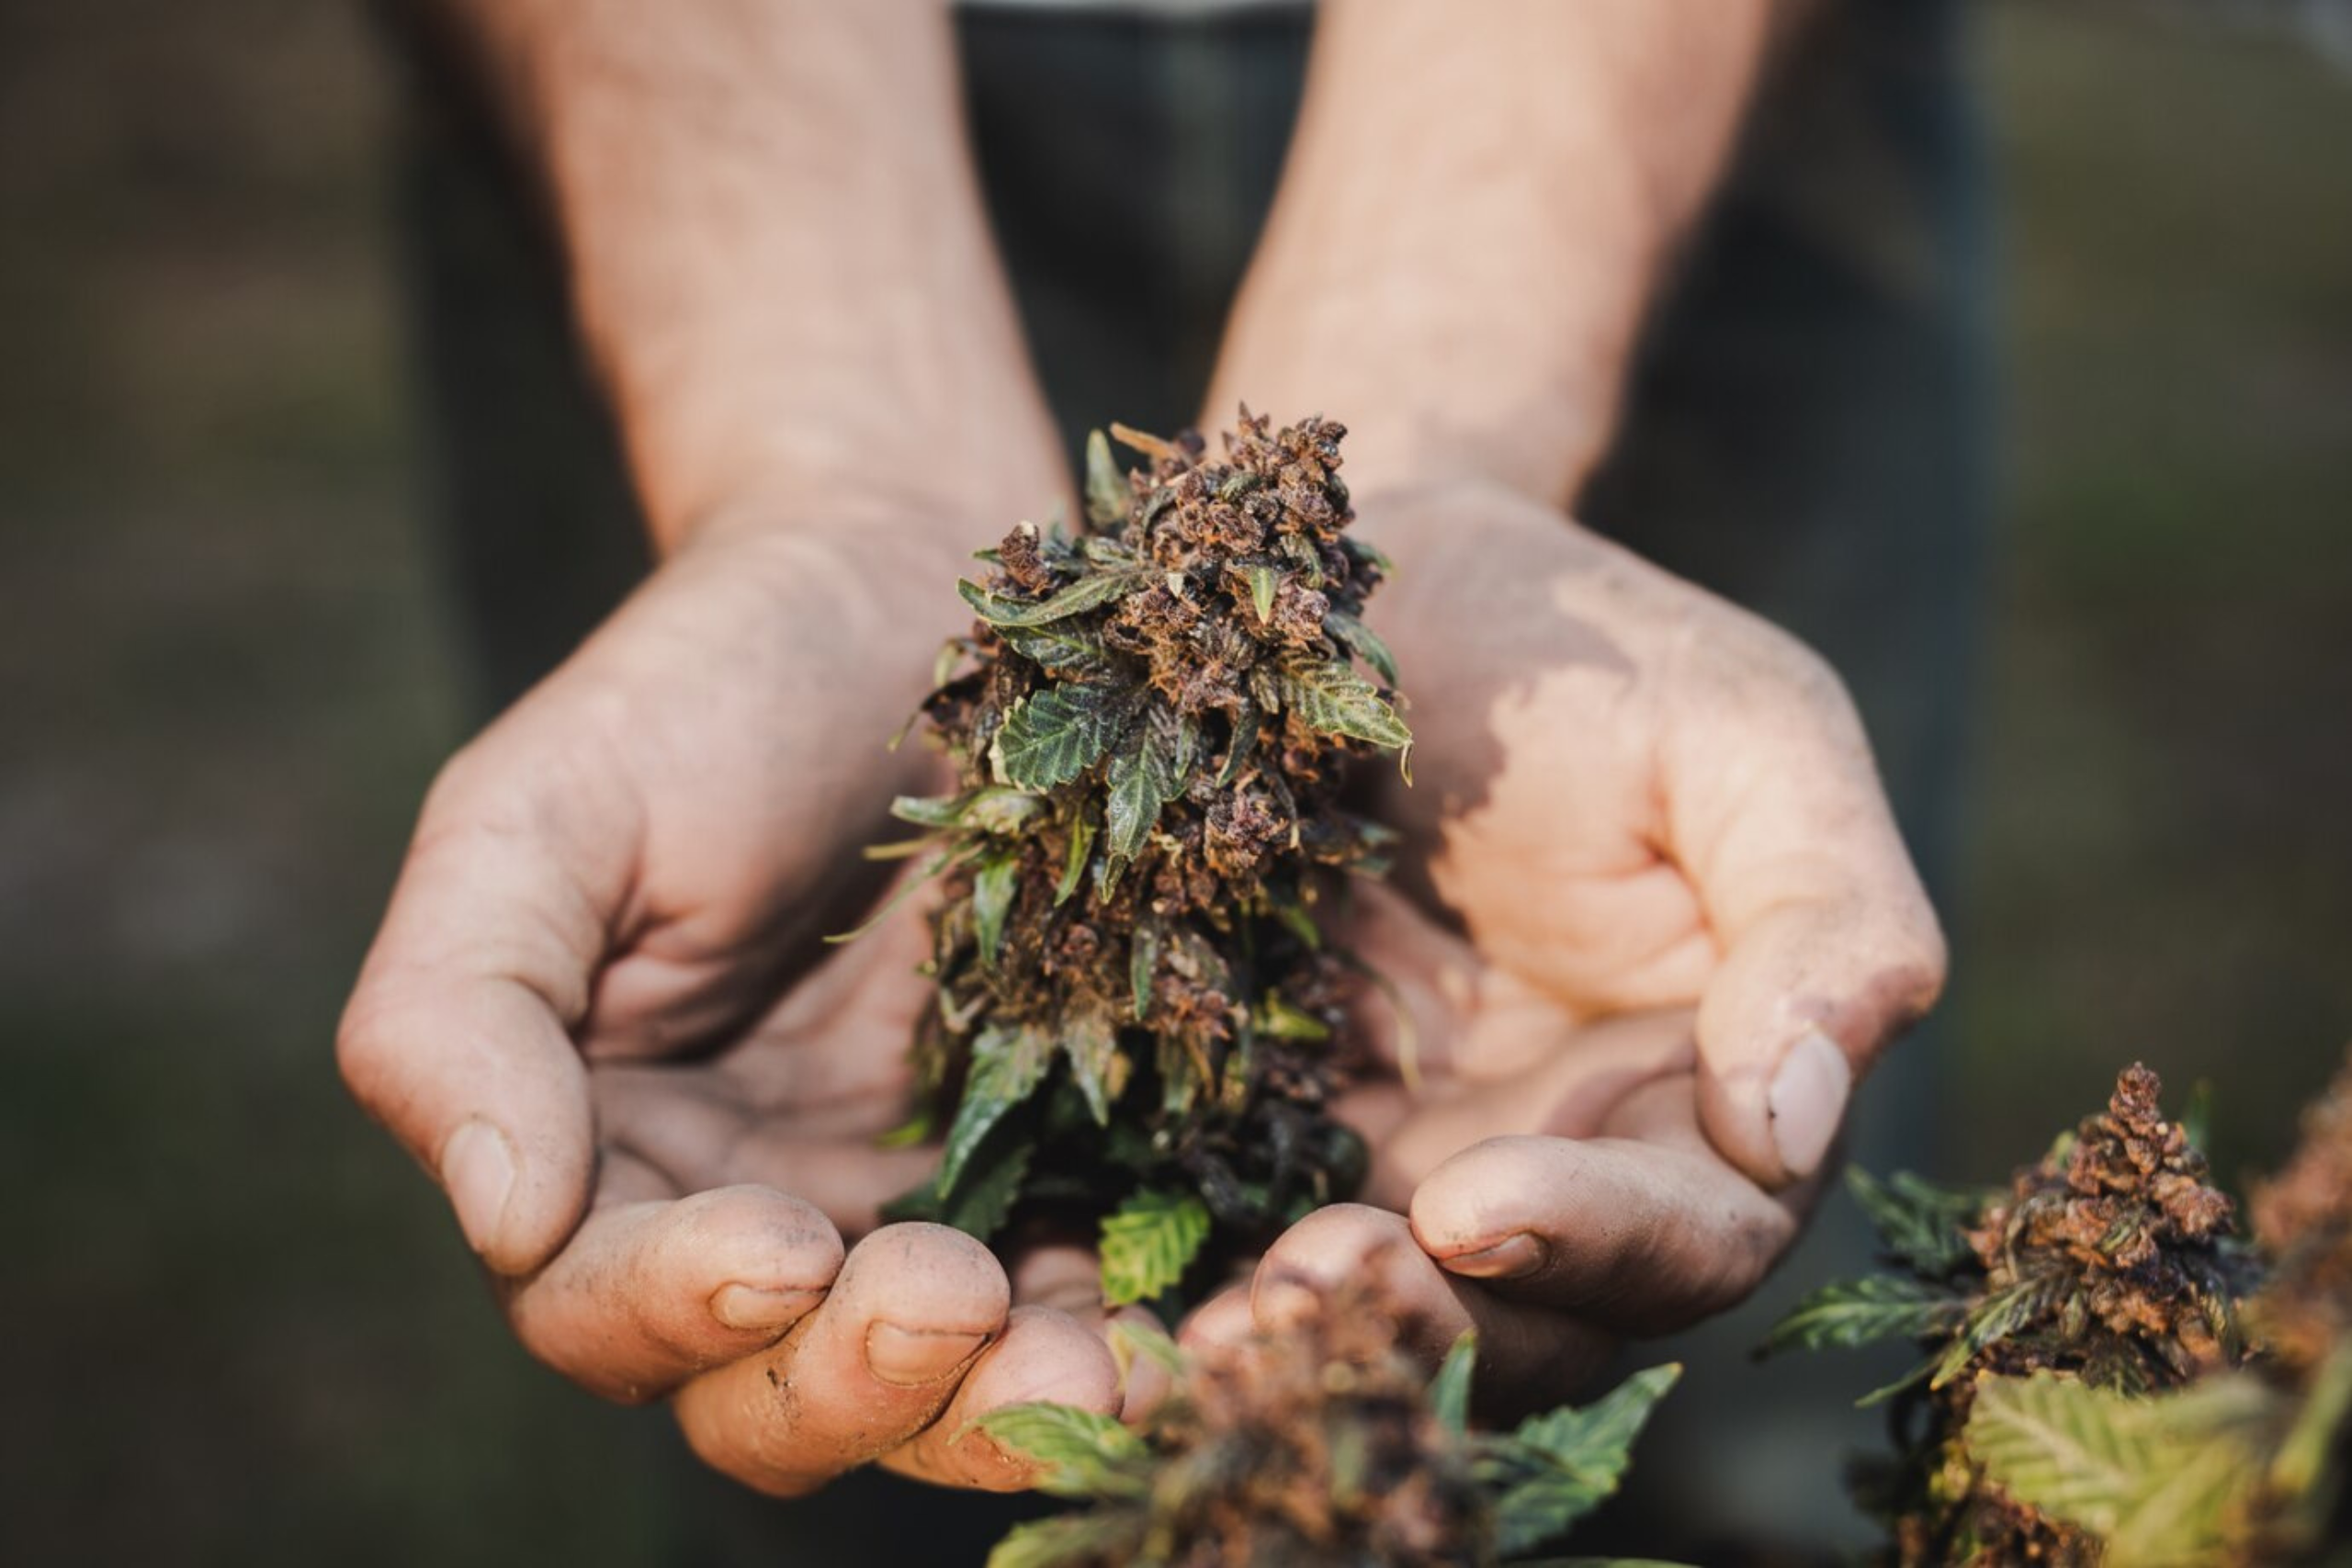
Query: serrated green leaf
{"x": 1336, "y": 700}
{"x": 1091, "y": 1040}
{"x": 1080, "y": 1453}
{"x": 991, "y": 1183}
{"x": 1064, "y": 648}
{"x": 1082, "y": 843}
{"x": 2159, "y": 1478}
{"x": 1106, "y": 484}
{"x": 1086, "y": 593}
{"x": 1556, "y": 1468}
{"x": 1052, "y": 735}
{"x": 1147, "y": 771}
{"x": 1449, "y": 1390}
{"x": 1363, "y": 642}
{"x": 992, "y": 888}
{"x": 1852, "y": 1312}
{"x": 1993, "y": 1320}
{"x": 1919, "y": 1224}
{"x": 1262, "y": 581}
{"x": 1130, "y": 1338}
{"x": 1008, "y": 1062}
{"x": 1148, "y": 1243}
{"x": 1070, "y": 1541}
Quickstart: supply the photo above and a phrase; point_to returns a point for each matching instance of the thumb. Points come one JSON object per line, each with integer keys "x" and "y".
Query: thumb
{"x": 1829, "y": 946}
{"x": 457, "y": 1036}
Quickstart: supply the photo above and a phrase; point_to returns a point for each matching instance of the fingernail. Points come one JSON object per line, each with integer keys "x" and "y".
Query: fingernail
{"x": 1508, "y": 1260}
{"x": 748, "y": 1306}
{"x": 478, "y": 1172}
{"x": 911, "y": 1358}
{"x": 1808, "y": 1101}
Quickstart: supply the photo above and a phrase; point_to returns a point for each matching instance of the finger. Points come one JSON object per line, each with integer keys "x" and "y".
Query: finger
{"x": 912, "y": 1307}
{"x": 457, "y": 1036}
{"x": 1829, "y": 946}
{"x": 1529, "y": 1356}
{"x": 1633, "y": 1235}
{"x": 647, "y": 1294}
{"x": 1045, "y": 1356}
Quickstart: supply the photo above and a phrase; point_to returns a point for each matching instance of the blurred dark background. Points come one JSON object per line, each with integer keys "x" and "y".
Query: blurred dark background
{"x": 244, "y": 1330}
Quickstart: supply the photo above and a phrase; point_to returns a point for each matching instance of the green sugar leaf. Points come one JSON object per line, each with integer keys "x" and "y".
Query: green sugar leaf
{"x": 1148, "y": 1243}
{"x": 1262, "y": 581}
{"x": 992, "y": 888}
{"x": 1091, "y": 1040}
{"x": 1863, "y": 1312}
{"x": 1920, "y": 1225}
{"x": 1053, "y": 736}
{"x": 1086, "y": 593}
{"x": 1106, "y": 484}
{"x": 1066, "y": 648}
{"x": 1147, "y": 771}
{"x": 1008, "y": 1062}
{"x": 1449, "y": 1390}
{"x": 1363, "y": 642}
{"x": 1081, "y": 842}
{"x": 1336, "y": 700}
{"x": 1080, "y": 1453}
{"x": 1070, "y": 1541}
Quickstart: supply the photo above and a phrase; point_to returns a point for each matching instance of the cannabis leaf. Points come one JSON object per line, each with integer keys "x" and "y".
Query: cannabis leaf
{"x": 1065, "y": 648}
{"x": 992, "y": 888}
{"x": 2159, "y": 1478}
{"x": 983, "y": 1201}
{"x": 1106, "y": 484}
{"x": 1008, "y": 1062}
{"x": 1147, "y": 772}
{"x": 1556, "y": 1468}
{"x": 1449, "y": 1390}
{"x": 1336, "y": 700}
{"x": 1363, "y": 642}
{"x": 1246, "y": 719}
{"x": 1081, "y": 1452}
{"x": 1262, "y": 581}
{"x": 1920, "y": 1225}
{"x": 1091, "y": 1040}
{"x": 1070, "y": 1541}
{"x": 1991, "y": 1320}
{"x": 1056, "y": 734}
{"x": 1863, "y": 1312}
{"x": 1148, "y": 1243}
{"x": 1086, "y": 593}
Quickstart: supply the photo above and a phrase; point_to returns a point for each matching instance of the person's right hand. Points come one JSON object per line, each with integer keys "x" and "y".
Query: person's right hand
{"x": 599, "y": 1012}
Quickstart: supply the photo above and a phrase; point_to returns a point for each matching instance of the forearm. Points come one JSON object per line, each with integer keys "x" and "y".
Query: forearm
{"x": 1480, "y": 204}
{"x": 778, "y": 257}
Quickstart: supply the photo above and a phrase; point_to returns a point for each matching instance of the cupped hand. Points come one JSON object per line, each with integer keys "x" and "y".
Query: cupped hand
{"x": 1654, "y": 919}
{"x": 599, "y": 1010}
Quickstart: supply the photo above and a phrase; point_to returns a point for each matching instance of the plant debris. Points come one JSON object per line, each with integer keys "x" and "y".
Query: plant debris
{"x": 1323, "y": 1444}
{"x": 1139, "y": 1023}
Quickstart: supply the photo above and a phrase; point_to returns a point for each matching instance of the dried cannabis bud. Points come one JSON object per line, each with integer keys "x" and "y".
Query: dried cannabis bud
{"x": 1322, "y": 1445}
{"x": 2091, "y": 1398}
{"x": 1138, "y": 1018}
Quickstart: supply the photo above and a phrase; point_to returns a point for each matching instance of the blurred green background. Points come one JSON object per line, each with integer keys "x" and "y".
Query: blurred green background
{"x": 244, "y": 1329}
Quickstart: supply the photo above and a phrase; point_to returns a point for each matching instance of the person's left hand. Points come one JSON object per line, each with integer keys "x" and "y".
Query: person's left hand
{"x": 1653, "y": 918}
